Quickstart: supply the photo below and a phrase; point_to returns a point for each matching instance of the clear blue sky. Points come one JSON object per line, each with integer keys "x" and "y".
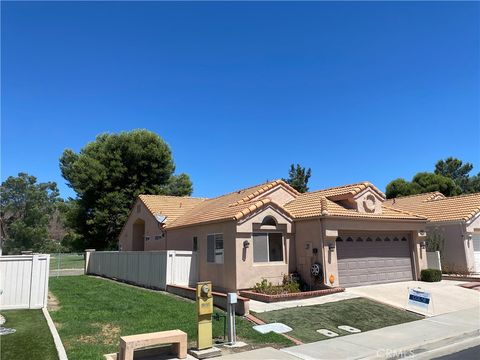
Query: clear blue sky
{"x": 356, "y": 91}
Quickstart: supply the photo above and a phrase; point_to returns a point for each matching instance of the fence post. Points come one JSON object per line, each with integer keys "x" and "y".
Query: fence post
{"x": 88, "y": 252}
{"x": 33, "y": 283}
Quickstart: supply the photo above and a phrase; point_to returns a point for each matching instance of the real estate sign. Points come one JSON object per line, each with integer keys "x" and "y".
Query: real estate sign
{"x": 419, "y": 298}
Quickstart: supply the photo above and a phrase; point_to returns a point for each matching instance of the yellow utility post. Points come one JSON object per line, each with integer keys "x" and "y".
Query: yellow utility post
{"x": 204, "y": 312}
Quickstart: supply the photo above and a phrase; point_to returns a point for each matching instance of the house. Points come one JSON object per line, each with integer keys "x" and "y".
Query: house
{"x": 346, "y": 234}
{"x": 454, "y": 219}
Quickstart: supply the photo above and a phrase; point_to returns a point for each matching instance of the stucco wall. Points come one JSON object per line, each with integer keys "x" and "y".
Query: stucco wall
{"x": 457, "y": 253}
{"x": 249, "y": 272}
{"x": 223, "y": 276}
{"x": 152, "y": 228}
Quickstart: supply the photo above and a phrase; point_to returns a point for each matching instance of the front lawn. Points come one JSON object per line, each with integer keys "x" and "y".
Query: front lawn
{"x": 91, "y": 314}
{"x": 32, "y": 339}
{"x": 360, "y": 313}
{"x": 66, "y": 261}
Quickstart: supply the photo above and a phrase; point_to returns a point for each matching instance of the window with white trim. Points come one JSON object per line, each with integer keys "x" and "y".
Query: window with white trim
{"x": 215, "y": 248}
{"x": 267, "y": 247}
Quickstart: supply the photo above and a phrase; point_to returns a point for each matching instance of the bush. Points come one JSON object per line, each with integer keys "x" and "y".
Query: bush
{"x": 431, "y": 275}
{"x": 289, "y": 285}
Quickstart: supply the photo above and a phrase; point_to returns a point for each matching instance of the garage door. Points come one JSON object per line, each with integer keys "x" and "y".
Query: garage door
{"x": 366, "y": 259}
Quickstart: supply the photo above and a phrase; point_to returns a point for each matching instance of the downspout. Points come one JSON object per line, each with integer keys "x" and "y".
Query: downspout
{"x": 323, "y": 251}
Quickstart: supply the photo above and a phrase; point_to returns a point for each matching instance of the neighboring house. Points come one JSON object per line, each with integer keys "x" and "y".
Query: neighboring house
{"x": 455, "y": 219}
{"x": 269, "y": 230}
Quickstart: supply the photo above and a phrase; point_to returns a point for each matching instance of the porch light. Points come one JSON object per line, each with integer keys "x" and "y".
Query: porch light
{"x": 331, "y": 246}
{"x": 423, "y": 244}
{"x": 246, "y": 244}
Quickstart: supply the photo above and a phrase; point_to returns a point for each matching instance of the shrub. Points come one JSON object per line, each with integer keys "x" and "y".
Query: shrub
{"x": 431, "y": 275}
{"x": 289, "y": 285}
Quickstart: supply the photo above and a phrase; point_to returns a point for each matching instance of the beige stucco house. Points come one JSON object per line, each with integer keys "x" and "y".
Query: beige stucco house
{"x": 270, "y": 229}
{"x": 455, "y": 220}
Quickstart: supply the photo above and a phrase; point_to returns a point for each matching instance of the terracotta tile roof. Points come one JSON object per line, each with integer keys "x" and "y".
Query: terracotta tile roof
{"x": 186, "y": 211}
{"x": 170, "y": 206}
{"x": 229, "y": 206}
{"x": 264, "y": 188}
{"x": 455, "y": 208}
{"x": 314, "y": 204}
{"x": 341, "y": 192}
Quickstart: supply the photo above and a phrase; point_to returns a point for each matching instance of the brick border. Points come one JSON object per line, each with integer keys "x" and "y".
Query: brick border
{"x": 461, "y": 277}
{"x": 285, "y": 297}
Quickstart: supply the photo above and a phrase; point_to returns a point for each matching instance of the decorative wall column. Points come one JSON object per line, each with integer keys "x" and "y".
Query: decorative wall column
{"x": 330, "y": 257}
{"x": 420, "y": 251}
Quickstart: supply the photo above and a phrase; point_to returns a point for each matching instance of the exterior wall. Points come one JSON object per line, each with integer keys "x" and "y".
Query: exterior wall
{"x": 322, "y": 232}
{"x": 364, "y": 198}
{"x": 152, "y": 228}
{"x": 278, "y": 195}
{"x": 457, "y": 252}
{"x": 309, "y": 236}
{"x": 222, "y": 276}
{"x": 249, "y": 272}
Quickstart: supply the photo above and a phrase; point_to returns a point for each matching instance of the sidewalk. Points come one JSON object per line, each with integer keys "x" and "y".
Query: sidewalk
{"x": 402, "y": 340}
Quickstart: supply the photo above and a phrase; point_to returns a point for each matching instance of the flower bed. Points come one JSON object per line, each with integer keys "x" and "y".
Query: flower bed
{"x": 253, "y": 295}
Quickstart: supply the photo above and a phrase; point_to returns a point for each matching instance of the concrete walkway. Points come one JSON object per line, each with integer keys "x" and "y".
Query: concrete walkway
{"x": 402, "y": 340}
{"x": 447, "y": 295}
{"x": 259, "y": 307}
{"x": 399, "y": 341}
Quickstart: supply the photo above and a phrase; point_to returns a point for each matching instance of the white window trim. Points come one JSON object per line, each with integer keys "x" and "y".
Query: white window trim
{"x": 214, "y": 250}
{"x": 268, "y": 262}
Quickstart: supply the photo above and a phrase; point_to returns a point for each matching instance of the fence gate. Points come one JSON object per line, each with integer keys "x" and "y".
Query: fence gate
{"x": 24, "y": 281}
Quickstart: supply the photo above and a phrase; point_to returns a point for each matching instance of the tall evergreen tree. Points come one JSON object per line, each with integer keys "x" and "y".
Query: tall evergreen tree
{"x": 298, "y": 177}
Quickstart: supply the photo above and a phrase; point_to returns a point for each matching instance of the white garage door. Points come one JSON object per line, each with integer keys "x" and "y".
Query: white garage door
{"x": 373, "y": 259}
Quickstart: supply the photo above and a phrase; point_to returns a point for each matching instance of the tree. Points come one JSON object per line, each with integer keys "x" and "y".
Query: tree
{"x": 422, "y": 183}
{"x": 429, "y": 182}
{"x": 109, "y": 173}
{"x": 400, "y": 187}
{"x": 456, "y": 170}
{"x": 26, "y": 210}
{"x": 298, "y": 178}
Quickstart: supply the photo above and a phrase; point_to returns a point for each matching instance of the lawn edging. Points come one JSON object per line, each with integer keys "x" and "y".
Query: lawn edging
{"x": 285, "y": 297}
{"x": 62, "y": 354}
{"x": 219, "y": 299}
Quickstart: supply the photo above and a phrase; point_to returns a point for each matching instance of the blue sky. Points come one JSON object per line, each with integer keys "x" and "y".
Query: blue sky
{"x": 356, "y": 91}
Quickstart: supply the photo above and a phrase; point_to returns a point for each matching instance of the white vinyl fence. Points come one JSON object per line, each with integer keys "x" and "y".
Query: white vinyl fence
{"x": 433, "y": 260}
{"x": 24, "y": 281}
{"x": 153, "y": 269}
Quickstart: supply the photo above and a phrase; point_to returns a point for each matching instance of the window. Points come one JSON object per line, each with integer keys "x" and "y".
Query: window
{"x": 269, "y": 220}
{"x": 215, "y": 248}
{"x": 195, "y": 244}
{"x": 147, "y": 238}
{"x": 158, "y": 237}
{"x": 267, "y": 247}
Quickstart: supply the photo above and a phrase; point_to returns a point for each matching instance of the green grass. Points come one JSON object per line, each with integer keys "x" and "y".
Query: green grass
{"x": 93, "y": 313}
{"x": 66, "y": 261}
{"x": 360, "y": 313}
{"x": 32, "y": 339}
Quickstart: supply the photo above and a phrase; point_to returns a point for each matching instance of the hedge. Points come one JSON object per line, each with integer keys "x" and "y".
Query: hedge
{"x": 431, "y": 275}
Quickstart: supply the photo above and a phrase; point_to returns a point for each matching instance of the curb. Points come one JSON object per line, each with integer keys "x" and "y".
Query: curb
{"x": 62, "y": 354}
{"x": 425, "y": 347}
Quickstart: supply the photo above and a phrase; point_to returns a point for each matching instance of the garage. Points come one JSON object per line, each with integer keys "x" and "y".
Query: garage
{"x": 365, "y": 259}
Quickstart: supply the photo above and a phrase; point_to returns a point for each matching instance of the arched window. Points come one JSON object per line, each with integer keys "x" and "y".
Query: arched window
{"x": 269, "y": 220}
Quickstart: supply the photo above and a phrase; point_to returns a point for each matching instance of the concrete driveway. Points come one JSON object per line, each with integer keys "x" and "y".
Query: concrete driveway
{"x": 447, "y": 295}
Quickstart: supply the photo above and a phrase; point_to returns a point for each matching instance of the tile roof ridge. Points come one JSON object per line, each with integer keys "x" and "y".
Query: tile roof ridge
{"x": 257, "y": 205}
{"x": 414, "y": 195}
{"x": 244, "y": 189}
{"x": 173, "y": 196}
{"x": 323, "y": 206}
{"x": 457, "y": 196}
{"x": 403, "y": 211}
{"x": 366, "y": 183}
{"x": 263, "y": 189}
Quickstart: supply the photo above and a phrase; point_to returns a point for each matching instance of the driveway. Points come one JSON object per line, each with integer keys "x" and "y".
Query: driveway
{"x": 447, "y": 295}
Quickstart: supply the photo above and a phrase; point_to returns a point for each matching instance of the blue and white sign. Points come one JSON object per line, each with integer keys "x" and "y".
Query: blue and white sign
{"x": 419, "y": 298}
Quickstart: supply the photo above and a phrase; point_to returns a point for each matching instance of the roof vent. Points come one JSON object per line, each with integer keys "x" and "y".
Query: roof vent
{"x": 160, "y": 218}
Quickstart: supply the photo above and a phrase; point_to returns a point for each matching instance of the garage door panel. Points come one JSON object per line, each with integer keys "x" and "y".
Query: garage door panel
{"x": 374, "y": 262}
